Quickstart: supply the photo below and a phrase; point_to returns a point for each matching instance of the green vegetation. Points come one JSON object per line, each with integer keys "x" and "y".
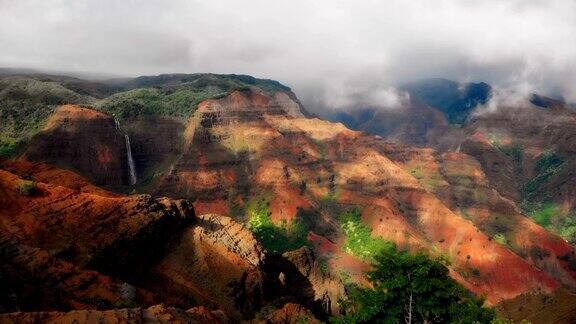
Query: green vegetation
{"x": 359, "y": 239}
{"x": 25, "y": 105}
{"x": 553, "y": 218}
{"x": 429, "y": 180}
{"x": 27, "y": 102}
{"x": 500, "y": 239}
{"x": 330, "y": 198}
{"x": 544, "y": 214}
{"x": 27, "y": 188}
{"x": 178, "y": 95}
{"x": 8, "y": 146}
{"x": 156, "y": 102}
{"x": 416, "y": 172}
{"x": 275, "y": 238}
{"x": 515, "y": 151}
{"x": 224, "y": 82}
{"x": 547, "y": 161}
{"x": 412, "y": 288}
{"x": 537, "y": 203}
{"x": 546, "y": 166}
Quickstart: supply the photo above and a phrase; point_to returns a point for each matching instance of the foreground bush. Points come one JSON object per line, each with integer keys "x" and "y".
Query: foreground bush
{"x": 412, "y": 288}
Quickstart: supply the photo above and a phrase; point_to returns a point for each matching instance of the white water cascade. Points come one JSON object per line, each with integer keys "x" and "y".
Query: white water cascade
{"x": 130, "y": 161}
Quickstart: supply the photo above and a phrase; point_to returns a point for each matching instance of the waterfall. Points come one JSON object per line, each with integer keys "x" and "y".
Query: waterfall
{"x": 130, "y": 161}
{"x": 117, "y": 123}
{"x": 458, "y": 148}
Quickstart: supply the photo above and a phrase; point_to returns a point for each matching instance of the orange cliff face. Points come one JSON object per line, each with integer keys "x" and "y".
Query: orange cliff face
{"x": 251, "y": 144}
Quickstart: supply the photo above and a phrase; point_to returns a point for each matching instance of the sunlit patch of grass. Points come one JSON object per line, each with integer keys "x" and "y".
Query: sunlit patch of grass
{"x": 500, "y": 239}
{"x": 359, "y": 240}
{"x": 275, "y": 238}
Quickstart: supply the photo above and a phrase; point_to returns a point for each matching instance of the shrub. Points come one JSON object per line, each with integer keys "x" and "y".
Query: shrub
{"x": 8, "y": 147}
{"x": 500, "y": 239}
{"x": 546, "y": 161}
{"x": 543, "y": 216}
{"x": 275, "y": 238}
{"x": 27, "y": 188}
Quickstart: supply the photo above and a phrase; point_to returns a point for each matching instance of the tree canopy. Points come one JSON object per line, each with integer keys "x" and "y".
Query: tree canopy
{"x": 412, "y": 288}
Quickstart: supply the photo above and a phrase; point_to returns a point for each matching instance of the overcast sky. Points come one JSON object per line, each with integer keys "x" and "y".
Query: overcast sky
{"x": 330, "y": 52}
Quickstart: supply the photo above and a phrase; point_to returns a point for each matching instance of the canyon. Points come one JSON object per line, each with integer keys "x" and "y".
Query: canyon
{"x": 135, "y": 199}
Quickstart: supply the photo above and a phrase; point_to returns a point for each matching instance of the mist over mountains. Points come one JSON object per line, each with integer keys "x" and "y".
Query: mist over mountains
{"x": 327, "y": 52}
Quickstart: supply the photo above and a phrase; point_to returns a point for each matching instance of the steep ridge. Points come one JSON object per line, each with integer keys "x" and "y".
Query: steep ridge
{"x": 458, "y": 180}
{"x": 25, "y": 103}
{"x": 246, "y": 145}
{"x": 83, "y": 140}
{"x": 523, "y": 143}
{"x": 414, "y": 121}
{"x": 42, "y": 172}
{"x": 519, "y": 137}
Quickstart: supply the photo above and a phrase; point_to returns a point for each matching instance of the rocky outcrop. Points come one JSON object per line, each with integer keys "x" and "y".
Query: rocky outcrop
{"x": 87, "y": 229}
{"x": 82, "y": 140}
{"x": 289, "y": 313}
{"x": 34, "y": 279}
{"x": 307, "y": 279}
{"x": 153, "y": 314}
{"x": 144, "y": 250}
{"x": 217, "y": 262}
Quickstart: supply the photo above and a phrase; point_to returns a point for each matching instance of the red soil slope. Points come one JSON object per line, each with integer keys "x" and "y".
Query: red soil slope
{"x": 64, "y": 249}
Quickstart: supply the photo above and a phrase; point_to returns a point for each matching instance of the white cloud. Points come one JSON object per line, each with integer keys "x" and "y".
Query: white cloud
{"x": 329, "y": 51}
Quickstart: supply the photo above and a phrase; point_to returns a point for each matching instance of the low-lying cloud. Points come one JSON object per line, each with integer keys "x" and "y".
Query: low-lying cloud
{"x": 333, "y": 53}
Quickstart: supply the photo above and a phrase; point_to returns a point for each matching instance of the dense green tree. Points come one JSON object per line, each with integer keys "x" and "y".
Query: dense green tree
{"x": 412, "y": 288}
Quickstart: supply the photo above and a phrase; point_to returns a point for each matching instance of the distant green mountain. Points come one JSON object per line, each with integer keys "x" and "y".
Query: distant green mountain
{"x": 26, "y": 103}
{"x": 176, "y": 95}
{"x": 28, "y": 99}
